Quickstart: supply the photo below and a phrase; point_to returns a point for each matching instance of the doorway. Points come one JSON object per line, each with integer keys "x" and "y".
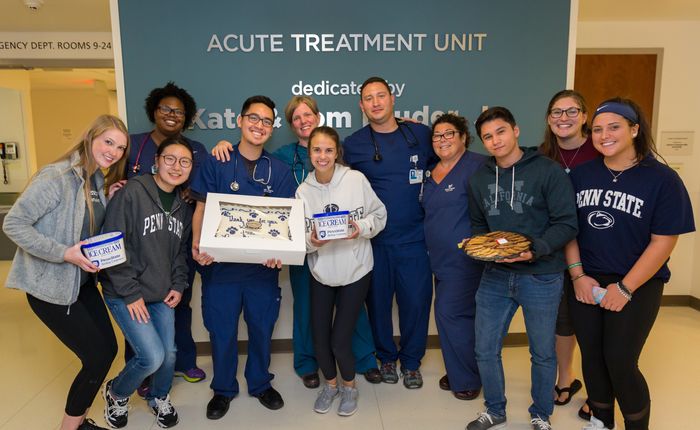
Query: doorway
{"x": 628, "y": 73}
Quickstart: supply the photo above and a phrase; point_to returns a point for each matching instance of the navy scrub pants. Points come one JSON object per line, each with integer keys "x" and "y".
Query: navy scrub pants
{"x": 455, "y": 309}
{"x": 222, "y": 304}
{"x": 302, "y": 342}
{"x": 402, "y": 270}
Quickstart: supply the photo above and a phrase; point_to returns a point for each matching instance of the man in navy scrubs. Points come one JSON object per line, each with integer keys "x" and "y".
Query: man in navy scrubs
{"x": 394, "y": 156}
{"x": 229, "y": 288}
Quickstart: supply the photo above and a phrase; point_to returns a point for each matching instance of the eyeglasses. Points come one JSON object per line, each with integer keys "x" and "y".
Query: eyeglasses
{"x": 166, "y": 110}
{"x": 170, "y": 160}
{"x": 255, "y": 118}
{"x": 571, "y": 112}
{"x": 449, "y": 134}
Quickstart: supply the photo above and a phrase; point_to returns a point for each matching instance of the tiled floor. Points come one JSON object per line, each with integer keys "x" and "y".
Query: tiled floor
{"x": 37, "y": 370}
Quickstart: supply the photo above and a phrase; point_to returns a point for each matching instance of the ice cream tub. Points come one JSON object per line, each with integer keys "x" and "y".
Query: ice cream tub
{"x": 331, "y": 225}
{"x": 105, "y": 250}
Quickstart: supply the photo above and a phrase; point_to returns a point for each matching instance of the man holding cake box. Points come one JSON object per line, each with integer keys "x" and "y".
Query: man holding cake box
{"x": 231, "y": 288}
{"x": 522, "y": 194}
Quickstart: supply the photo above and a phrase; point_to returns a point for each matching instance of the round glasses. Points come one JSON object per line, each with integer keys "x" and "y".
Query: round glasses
{"x": 170, "y": 160}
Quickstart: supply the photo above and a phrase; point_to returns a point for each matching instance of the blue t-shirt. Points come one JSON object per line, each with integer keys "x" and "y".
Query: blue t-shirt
{"x": 408, "y": 148}
{"x": 447, "y": 220}
{"x": 143, "y": 153}
{"x": 297, "y": 158}
{"x": 216, "y": 177}
{"x": 617, "y": 219}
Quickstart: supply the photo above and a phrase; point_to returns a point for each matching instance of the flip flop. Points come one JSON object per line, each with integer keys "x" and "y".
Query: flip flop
{"x": 572, "y": 389}
{"x": 586, "y": 416}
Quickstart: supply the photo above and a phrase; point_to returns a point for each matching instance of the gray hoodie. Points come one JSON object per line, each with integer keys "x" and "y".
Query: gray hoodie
{"x": 155, "y": 242}
{"x": 342, "y": 262}
{"x": 45, "y": 221}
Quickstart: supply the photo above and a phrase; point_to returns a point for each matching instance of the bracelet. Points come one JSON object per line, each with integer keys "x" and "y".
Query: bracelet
{"x": 572, "y": 265}
{"x": 626, "y": 293}
{"x": 578, "y": 277}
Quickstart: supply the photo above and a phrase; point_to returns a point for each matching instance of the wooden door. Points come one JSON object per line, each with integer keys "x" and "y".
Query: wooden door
{"x": 600, "y": 76}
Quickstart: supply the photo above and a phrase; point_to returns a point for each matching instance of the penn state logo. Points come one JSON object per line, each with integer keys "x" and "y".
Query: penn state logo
{"x": 600, "y": 220}
{"x": 331, "y": 208}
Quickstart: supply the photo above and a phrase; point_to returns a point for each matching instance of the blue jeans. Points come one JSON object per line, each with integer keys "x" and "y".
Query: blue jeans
{"x": 154, "y": 349}
{"x": 499, "y": 295}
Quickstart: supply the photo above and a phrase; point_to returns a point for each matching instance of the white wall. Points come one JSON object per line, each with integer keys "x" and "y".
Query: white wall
{"x": 60, "y": 118}
{"x": 16, "y": 124}
{"x": 679, "y": 110}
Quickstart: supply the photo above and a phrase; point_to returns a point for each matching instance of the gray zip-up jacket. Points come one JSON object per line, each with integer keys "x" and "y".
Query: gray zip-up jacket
{"x": 155, "y": 241}
{"x": 45, "y": 221}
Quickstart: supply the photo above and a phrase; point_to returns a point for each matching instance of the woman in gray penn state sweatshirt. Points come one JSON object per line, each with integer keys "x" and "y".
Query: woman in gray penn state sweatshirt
{"x": 155, "y": 242}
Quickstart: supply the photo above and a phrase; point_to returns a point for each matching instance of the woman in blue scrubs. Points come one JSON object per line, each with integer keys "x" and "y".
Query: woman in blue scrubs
{"x": 444, "y": 199}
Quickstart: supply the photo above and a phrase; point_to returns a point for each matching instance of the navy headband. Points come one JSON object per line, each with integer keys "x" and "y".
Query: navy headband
{"x": 621, "y": 109}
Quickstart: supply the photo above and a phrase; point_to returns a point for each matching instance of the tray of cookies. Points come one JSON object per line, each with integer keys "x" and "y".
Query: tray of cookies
{"x": 496, "y": 245}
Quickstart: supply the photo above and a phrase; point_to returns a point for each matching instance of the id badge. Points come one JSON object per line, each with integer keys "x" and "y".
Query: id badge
{"x": 415, "y": 176}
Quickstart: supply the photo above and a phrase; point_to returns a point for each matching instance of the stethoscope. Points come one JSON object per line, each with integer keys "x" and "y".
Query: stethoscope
{"x": 137, "y": 165}
{"x": 296, "y": 162}
{"x": 411, "y": 144}
{"x": 235, "y": 186}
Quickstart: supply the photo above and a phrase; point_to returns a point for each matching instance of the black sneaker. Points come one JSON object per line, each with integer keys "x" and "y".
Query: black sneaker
{"x": 165, "y": 413}
{"x": 89, "y": 424}
{"x": 388, "y": 372}
{"x": 116, "y": 410}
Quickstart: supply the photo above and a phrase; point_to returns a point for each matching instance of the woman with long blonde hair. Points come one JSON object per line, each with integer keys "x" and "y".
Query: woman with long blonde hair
{"x": 64, "y": 204}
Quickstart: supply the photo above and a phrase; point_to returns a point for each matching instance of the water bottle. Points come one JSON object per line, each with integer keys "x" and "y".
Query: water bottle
{"x": 598, "y": 294}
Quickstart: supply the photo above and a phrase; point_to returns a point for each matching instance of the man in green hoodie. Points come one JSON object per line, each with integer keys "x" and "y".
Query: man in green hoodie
{"x": 518, "y": 190}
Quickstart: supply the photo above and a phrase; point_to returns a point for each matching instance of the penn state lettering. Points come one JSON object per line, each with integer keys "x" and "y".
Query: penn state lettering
{"x": 618, "y": 200}
{"x": 157, "y": 222}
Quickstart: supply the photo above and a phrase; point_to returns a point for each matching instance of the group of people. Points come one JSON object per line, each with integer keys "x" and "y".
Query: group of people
{"x": 602, "y": 213}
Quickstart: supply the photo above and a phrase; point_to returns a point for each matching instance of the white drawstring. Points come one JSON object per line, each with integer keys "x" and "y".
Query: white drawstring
{"x": 512, "y": 188}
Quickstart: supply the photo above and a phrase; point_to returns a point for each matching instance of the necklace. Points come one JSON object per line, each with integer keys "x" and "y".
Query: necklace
{"x": 568, "y": 169}
{"x": 615, "y": 176}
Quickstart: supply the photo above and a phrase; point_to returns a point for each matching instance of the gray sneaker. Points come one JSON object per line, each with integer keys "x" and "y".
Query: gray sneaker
{"x": 540, "y": 424}
{"x": 486, "y": 421}
{"x": 388, "y": 371}
{"x": 348, "y": 401}
{"x": 412, "y": 378}
{"x": 325, "y": 399}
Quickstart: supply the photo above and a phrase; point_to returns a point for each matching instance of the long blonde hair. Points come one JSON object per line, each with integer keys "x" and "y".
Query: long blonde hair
{"x": 87, "y": 163}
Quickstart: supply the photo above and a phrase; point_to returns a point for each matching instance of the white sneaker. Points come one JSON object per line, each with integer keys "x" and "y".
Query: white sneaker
{"x": 596, "y": 424}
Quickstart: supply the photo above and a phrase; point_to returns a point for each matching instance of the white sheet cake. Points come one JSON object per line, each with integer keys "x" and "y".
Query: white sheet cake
{"x": 267, "y": 222}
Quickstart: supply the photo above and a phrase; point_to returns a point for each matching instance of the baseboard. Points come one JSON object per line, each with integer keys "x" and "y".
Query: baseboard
{"x": 512, "y": 339}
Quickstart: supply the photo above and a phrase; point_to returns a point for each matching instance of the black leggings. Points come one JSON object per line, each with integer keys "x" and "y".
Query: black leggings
{"x": 333, "y": 336}
{"x": 84, "y": 327}
{"x": 611, "y": 343}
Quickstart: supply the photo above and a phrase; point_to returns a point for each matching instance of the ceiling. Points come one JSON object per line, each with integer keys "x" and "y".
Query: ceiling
{"x": 94, "y": 15}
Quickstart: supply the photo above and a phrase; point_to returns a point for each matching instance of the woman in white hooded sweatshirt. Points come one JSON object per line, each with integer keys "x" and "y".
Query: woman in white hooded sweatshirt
{"x": 341, "y": 269}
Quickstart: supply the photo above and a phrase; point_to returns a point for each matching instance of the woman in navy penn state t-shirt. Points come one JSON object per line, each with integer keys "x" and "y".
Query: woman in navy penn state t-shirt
{"x": 631, "y": 209}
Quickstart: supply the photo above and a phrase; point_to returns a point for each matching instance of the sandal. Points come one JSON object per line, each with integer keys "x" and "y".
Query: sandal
{"x": 586, "y": 416}
{"x": 572, "y": 389}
